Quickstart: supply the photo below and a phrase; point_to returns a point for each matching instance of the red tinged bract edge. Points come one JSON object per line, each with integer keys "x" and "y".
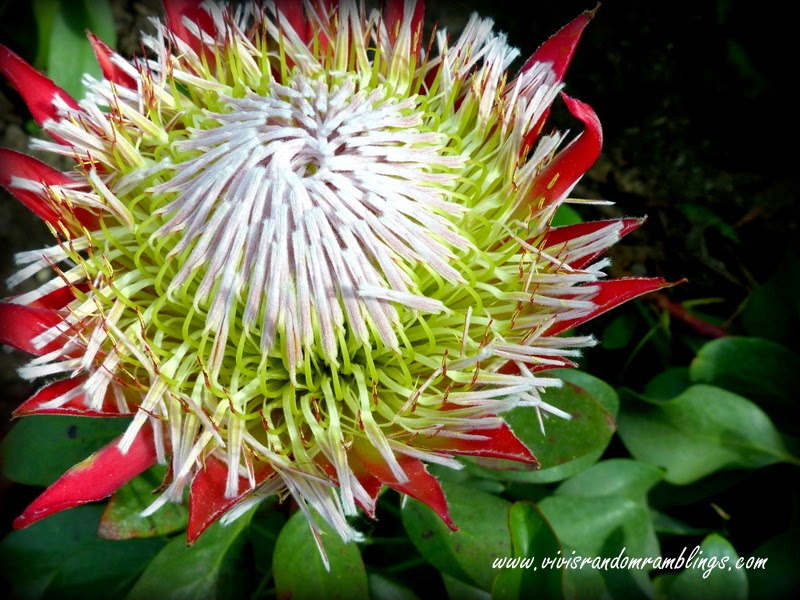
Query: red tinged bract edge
{"x": 15, "y": 166}
{"x": 21, "y": 324}
{"x": 96, "y": 478}
{"x": 211, "y": 487}
{"x": 38, "y": 403}
{"x": 207, "y": 499}
{"x": 562, "y": 173}
{"x": 38, "y": 92}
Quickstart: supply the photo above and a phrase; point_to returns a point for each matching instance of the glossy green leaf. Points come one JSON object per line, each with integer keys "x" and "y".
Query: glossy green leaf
{"x": 760, "y": 370}
{"x": 39, "y": 449}
{"x": 466, "y": 554}
{"x": 595, "y": 403}
{"x": 773, "y": 310}
{"x": 703, "y": 430}
{"x": 122, "y": 519}
{"x": 712, "y": 575}
{"x": 668, "y": 384}
{"x": 597, "y": 525}
{"x": 565, "y": 442}
{"x": 531, "y": 538}
{"x": 62, "y": 557}
{"x": 566, "y": 215}
{"x": 300, "y": 573}
{"x": 777, "y": 577}
{"x": 585, "y": 584}
{"x": 615, "y": 477}
{"x": 604, "y": 526}
{"x": 599, "y": 389}
{"x": 207, "y": 570}
{"x": 619, "y": 332}
{"x": 67, "y": 54}
{"x": 664, "y": 523}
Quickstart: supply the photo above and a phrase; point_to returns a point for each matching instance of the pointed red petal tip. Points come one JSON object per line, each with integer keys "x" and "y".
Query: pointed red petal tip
{"x": 178, "y": 10}
{"x": 563, "y": 172}
{"x": 19, "y": 324}
{"x": 74, "y": 407}
{"x": 560, "y": 48}
{"x": 97, "y": 477}
{"x": 111, "y": 72}
{"x": 207, "y": 501}
{"x": 15, "y": 164}
{"x": 560, "y": 235}
{"x": 420, "y": 485}
{"x": 613, "y": 293}
{"x": 497, "y": 443}
{"x": 38, "y": 92}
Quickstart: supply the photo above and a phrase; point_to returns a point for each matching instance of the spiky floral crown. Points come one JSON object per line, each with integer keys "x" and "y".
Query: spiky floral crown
{"x": 306, "y": 251}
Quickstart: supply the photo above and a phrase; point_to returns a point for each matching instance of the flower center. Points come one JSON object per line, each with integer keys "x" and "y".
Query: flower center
{"x": 315, "y": 208}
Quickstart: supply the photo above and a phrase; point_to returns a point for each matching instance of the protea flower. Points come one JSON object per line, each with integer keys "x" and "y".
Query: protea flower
{"x": 307, "y": 251}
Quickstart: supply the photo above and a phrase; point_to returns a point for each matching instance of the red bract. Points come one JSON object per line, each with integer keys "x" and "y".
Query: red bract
{"x": 304, "y": 257}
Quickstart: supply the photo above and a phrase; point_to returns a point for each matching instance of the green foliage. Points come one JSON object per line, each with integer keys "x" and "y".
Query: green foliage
{"x": 62, "y": 557}
{"x": 713, "y": 577}
{"x": 663, "y": 465}
{"x": 531, "y": 536}
{"x": 568, "y": 446}
{"x": 64, "y": 51}
{"x": 300, "y": 572}
{"x": 465, "y": 554}
{"x": 122, "y": 519}
{"x": 703, "y": 430}
{"x": 59, "y": 442}
{"x": 208, "y": 569}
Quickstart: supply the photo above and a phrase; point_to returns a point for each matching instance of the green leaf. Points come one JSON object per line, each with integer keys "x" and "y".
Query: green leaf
{"x": 300, "y": 572}
{"x": 616, "y": 477}
{"x": 668, "y": 384}
{"x": 566, "y": 215}
{"x": 531, "y": 538}
{"x": 666, "y": 524}
{"x": 207, "y": 570}
{"x": 567, "y": 446}
{"x": 604, "y": 526}
{"x": 44, "y": 13}
{"x": 773, "y": 310}
{"x": 599, "y": 389}
{"x": 778, "y": 576}
{"x": 703, "y": 430}
{"x": 712, "y": 576}
{"x": 466, "y": 554}
{"x": 122, "y": 520}
{"x": 584, "y": 584}
{"x": 619, "y": 332}
{"x": 66, "y": 50}
{"x": 760, "y": 370}
{"x": 39, "y": 449}
{"x": 62, "y": 557}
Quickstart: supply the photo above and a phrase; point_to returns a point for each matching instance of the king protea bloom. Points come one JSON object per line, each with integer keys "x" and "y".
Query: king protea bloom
{"x": 307, "y": 252}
